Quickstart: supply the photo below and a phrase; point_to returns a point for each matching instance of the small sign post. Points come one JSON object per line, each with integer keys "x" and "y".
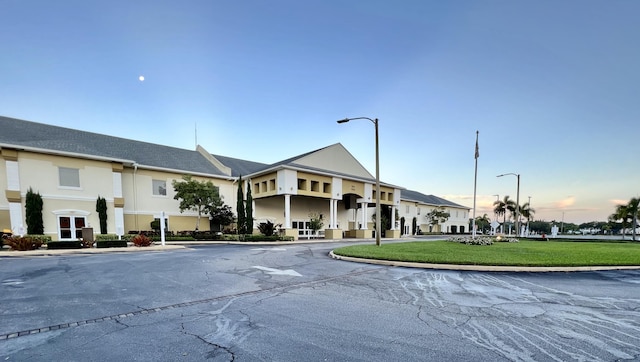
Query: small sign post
{"x": 162, "y": 218}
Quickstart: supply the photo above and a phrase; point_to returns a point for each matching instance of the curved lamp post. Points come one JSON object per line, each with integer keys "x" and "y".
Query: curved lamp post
{"x": 517, "y": 200}
{"x": 378, "y": 216}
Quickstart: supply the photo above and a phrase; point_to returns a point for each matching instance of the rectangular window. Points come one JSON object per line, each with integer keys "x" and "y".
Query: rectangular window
{"x": 264, "y": 187}
{"x": 272, "y": 185}
{"x": 315, "y": 186}
{"x": 159, "y": 187}
{"x": 326, "y": 187}
{"x": 418, "y": 211}
{"x": 69, "y": 177}
{"x": 383, "y": 195}
{"x": 407, "y": 210}
{"x": 302, "y": 184}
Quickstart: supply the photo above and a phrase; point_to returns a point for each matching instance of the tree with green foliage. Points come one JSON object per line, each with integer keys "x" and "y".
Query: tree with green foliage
{"x": 33, "y": 211}
{"x": 101, "y": 209}
{"x": 482, "y": 223}
{"x": 633, "y": 208}
{"x": 437, "y": 216}
{"x": 500, "y": 208}
{"x": 241, "y": 220}
{"x": 220, "y": 216}
{"x": 315, "y": 222}
{"x": 385, "y": 222}
{"x": 620, "y": 215}
{"x": 540, "y": 226}
{"x": 249, "y": 210}
{"x": 526, "y": 211}
{"x": 196, "y": 195}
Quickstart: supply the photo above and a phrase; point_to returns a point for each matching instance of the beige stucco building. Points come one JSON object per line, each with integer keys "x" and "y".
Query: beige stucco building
{"x": 70, "y": 169}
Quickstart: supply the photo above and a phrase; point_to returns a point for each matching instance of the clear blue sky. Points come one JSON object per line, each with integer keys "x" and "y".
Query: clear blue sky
{"x": 552, "y": 86}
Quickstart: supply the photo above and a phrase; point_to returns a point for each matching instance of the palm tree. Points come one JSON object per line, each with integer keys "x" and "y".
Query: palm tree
{"x": 527, "y": 212}
{"x": 502, "y": 206}
{"x": 633, "y": 210}
{"x": 482, "y": 222}
{"x": 621, "y": 214}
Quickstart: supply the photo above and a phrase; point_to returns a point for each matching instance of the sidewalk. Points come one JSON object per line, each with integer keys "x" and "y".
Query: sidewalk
{"x": 169, "y": 245}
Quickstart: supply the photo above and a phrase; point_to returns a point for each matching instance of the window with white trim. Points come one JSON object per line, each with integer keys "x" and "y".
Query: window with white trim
{"x": 159, "y": 187}
{"x": 69, "y": 177}
{"x": 70, "y": 227}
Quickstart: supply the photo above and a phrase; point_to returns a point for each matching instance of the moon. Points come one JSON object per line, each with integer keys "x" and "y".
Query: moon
{"x": 141, "y": 78}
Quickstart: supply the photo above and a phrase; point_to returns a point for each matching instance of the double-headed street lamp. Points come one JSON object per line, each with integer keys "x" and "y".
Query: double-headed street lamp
{"x": 378, "y": 216}
{"x": 517, "y": 200}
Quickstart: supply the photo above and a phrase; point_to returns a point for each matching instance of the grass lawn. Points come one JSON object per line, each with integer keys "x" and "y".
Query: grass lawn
{"x": 523, "y": 253}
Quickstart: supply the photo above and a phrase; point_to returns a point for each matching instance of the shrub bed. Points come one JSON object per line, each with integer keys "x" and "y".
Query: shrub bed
{"x": 111, "y": 244}
{"x": 75, "y": 244}
{"x": 27, "y": 242}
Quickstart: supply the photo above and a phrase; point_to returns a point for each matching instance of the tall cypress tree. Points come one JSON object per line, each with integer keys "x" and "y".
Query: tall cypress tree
{"x": 101, "y": 209}
{"x": 249, "y": 208}
{"x": 242, "y": 216}
{"x": 33, "y": 211}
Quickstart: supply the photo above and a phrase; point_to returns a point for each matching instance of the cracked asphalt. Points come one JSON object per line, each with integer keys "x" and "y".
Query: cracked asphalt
{"x": 244, "y": 303}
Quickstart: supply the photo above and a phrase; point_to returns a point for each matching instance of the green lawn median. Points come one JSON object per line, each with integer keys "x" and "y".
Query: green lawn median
{"x": 523, "y": 253}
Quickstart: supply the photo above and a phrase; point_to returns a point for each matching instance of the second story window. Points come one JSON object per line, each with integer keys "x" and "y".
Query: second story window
{"x": 69, "y": 177}
{"x": 159, "y": 187}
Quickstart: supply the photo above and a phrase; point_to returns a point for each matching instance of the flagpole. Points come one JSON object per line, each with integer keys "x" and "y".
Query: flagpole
{"x": 475, "y": 183}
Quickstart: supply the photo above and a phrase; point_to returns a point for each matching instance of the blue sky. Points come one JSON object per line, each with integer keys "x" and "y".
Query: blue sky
{"x": 552, "y": 87}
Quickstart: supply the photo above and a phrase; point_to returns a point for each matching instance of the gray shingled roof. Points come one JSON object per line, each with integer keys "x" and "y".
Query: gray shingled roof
{"x": 410, "y": 195}
{"x": 241, "y": 167}
{"x": 15, "y": 132}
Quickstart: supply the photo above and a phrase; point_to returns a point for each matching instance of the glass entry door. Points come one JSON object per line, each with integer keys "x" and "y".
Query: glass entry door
{"x": 70, "y": 227}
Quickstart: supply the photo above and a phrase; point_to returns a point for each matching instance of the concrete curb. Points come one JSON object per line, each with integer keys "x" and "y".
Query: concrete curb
{"x": 487, "y": 268}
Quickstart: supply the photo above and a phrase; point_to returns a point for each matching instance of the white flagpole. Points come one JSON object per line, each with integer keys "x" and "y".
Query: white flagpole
{"x": 475, "y": 183}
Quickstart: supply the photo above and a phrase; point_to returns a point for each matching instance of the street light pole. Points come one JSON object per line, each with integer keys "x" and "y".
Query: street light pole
{"x": 517, "y": 199}
{"x": 378, "y": 216}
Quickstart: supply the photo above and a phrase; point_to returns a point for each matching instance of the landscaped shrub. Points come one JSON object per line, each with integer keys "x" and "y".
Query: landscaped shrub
{"x": 205, "y": 235}
{"x": 173, "y": 238}
{"x": 104, "y": 237}
{"x": 111, "y": 244}
{"x": 481, "y": 240}
{"x": 41, "y": 238}
{"x": 69, "y": 244}
{"x": 261, "y": 238}
{"x": 33, "y": 213}
{"x": 23, "y": 243}
{"x": 141, "y": 240}
{"x": 506, "y": 239}
{"x": 267, "y": 228}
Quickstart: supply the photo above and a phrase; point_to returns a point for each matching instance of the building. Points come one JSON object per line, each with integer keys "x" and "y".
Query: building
{"x": 70, "y": 169}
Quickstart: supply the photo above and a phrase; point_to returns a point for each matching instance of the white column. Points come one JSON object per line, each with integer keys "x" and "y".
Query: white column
{"x": 332, "y": 216}
{"x": 335, "y": 214}
{"x": 15, "y": 208}
{"x": 118, "y": 211}
{"x": 287, "y": 211}
{"x": 393, "y": 217}
{"x": 364, "y": 215}
{"x": 119, "y": 220}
